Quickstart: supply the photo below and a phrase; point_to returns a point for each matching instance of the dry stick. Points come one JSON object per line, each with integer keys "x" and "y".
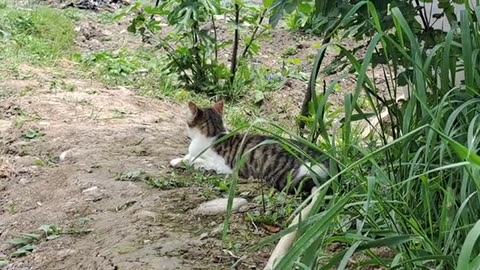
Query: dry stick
{"x": 377, "y": 99}
{"x": 215, "y": 37}
{"x": 252, "y": 38}
{"x": 233, "y": 67}
{"x": 156, "y": 5}
{"x": 263, "y": 202}
{"x": 422, "y": 15}
{"x": 168, "y": 49}
{"x": 392, "y": 117}
{"x": 238, "y": 262}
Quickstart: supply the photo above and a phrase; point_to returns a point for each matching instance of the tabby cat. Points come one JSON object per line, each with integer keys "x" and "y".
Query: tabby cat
{"x": 270, "y": 162}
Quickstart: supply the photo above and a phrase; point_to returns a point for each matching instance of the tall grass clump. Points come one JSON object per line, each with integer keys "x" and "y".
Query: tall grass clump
{"x": 38, "y": 35}
{"x": 413, "y": 187}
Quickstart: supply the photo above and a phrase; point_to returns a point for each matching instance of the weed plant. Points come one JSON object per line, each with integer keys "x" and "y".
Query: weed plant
{"x": 414, "y": 186}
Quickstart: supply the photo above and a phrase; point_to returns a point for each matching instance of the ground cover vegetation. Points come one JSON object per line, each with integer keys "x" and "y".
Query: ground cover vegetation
{"x": 411, "y": 185}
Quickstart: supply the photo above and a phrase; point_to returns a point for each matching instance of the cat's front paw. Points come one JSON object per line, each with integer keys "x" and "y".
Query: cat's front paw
{"x": 176, "y": 162}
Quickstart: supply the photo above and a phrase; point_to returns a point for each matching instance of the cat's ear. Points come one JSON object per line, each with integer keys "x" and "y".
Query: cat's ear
{"x": 219, "y": 106}
{"x": 193, "y": 108}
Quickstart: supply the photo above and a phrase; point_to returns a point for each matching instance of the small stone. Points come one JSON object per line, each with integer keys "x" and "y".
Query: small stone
{"x": 90, "y": 189}
{"x": 64, "y": 154}
{"x": 244, "y": 208}
{"x": 203, "y": 236}
{"x": 95, "y": 43}
{"x": 71, "y": 203}
{"x": 62, "y": 254}
{"x": 247, "y": 207}
{"x": 218, "y": 206}
{"x": 144, "y": 214}
{"x": 217, "y": 230}
{"x": 24, "y": 170}
{"x": 302, "y": 46}
{"x": 24, "y": 181}
{"x": 93, "y": 194}
{"x": 125, "y": 248}
{"x": 5, "y": 125}
{"x": 245, "y": 194}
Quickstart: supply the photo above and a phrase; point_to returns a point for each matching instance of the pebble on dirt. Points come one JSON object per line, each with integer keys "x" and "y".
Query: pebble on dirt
{"x": 143, "y": 214}
{"x": 5, "y": 125}
{"x": 24, "y": 181}
{"x": 64, "y": 154}
{"x": 93, "y": 194}
{"x": 218, "y": 206}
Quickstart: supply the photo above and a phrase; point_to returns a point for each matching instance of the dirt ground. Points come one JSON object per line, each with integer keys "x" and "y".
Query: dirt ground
{"x": 66, "y": 174}
{"x": 85, "y": 145}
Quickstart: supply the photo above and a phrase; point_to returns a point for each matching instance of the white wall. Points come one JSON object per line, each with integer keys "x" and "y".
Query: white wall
{"x": 442, "y": 23}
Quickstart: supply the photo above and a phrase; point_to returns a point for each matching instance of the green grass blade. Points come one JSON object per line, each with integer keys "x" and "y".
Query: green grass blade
{"x": 468, "y": 248}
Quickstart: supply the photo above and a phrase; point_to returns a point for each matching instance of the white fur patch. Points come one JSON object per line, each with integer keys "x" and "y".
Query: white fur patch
{"x": 317, "y": 169}
{"x": 176, "y": 162}
{"x": 201, "y": 156}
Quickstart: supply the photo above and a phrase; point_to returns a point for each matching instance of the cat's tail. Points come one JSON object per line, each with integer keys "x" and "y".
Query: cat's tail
{"x": 285, "y": 243}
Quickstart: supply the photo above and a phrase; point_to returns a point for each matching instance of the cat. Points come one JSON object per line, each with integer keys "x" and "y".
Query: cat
{"x": 269, "y": 162}
{"x": 210, "y": 150}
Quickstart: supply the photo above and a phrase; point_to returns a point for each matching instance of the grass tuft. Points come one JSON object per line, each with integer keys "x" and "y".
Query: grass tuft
{"x": 40, "y": 35}
{"x": 413, "y": 185}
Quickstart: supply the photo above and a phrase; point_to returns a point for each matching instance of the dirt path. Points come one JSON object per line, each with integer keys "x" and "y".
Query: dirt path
{"x": 64, "y": 140}
{"x": 66, "y": 177}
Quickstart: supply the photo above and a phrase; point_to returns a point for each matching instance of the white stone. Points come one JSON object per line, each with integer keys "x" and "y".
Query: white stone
{"x": 24, "y": 181}
{"x": 5, "y": 125}
{"x": 218, "y": 206}
{"x": 146, "y": 215}
{"x": 245, "y": 193}
{"x": 246, "y": 208}
{"x": 93, "y": 194}
{"x": 62, "y": 254}
{"x": 90, "y": 189}
{"x": 63, "y": 155}
{"x": 217, "y": 230}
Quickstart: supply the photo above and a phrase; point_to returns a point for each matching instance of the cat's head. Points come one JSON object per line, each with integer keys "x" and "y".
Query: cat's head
{"x": 205, "y": 121}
